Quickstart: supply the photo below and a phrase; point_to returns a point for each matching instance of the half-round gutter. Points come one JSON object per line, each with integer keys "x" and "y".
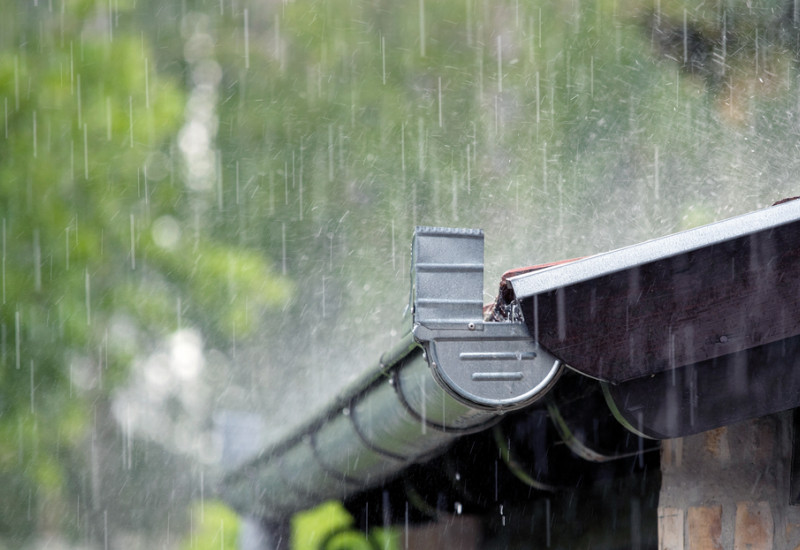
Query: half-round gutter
{"x": 453, "y": 374}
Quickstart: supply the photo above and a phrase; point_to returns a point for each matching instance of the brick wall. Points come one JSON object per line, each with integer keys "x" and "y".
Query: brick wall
{"x": 729, "y": 488}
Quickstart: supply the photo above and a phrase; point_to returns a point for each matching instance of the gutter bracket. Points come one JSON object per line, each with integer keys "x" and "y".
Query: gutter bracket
{"x": 487, "y": 365}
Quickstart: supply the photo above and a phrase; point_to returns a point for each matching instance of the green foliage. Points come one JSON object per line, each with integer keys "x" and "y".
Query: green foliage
{"x": 215, "y": 527}
{"x": 88, "y": 180}
{"x": 330, "y": 527}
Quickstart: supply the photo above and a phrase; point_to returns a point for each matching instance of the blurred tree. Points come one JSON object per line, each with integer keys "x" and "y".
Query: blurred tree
{"x": 103, "y": 254}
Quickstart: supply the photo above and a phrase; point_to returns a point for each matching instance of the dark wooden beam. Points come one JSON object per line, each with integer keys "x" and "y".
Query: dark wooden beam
{"x": 681, "y": 309}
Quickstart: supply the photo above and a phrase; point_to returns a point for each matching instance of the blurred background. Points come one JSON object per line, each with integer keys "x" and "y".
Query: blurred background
{"x": 207, "y": 206}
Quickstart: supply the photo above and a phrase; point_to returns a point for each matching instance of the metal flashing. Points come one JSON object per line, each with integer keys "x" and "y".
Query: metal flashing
{"x": 678, "y": 300}
{"x": 591, "y": 267}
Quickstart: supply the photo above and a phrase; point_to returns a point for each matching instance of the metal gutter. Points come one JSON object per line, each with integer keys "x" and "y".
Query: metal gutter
{"x": 454, "y": 374}
{"x": 686, "y": 333}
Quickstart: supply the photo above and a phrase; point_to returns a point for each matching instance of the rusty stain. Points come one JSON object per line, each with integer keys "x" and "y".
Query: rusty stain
{"x": 705, "y": 528}
{"x": 716, "y": 444}
{"x": 754, "y": 526}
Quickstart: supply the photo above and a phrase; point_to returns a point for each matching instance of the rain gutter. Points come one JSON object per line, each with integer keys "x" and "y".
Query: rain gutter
{"x": 684, "y": 333}
{"x": 451, "y": 375}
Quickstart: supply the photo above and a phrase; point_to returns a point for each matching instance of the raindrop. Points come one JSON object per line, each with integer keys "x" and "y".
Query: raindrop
{"x": 21, "y": 441}
{"x": 33, "y": 390}
{"x": 133, "y": 243}
{"x": 330, "y": 152}
{"x": 757, "y": 41}
{"x": 16, "y": 82}
{"x": 560, "y": 204}
{"x": 300, "y": 190}
{"x": 544, "y": 167}
{"x": 656, "y": 179}
{"x": 285, "y": 183}
{"x": 246, "y": 41}
{"x": 37, "y": 261}
{"x": 17, "y": 338}
{"x": 496, "y": 115}
{"x": 278, "y": 50}
{"x": 422, "y": 28}
{"x": 85, "y": 153}
{"x": 130, "y": 118}
{"x": 283, "y": 248}
{"x": 403, "y": 150}
{"x": 88, "y": 297}
{"x": 685, "y": 39}
{"x": 394, "y": 255}
{"x": 237, "y": 182}
{"x": 78, "y": 96}
{"x": 500, "y": 63}
{"x": 108, "y": 118}
{"x": 4, "y": 260}
{"x": 128, "y": 440}
{"x": 454, "y": 203}
{"x": 479, "y": 53}
{"x": 330, "y": 251}
{"x": 71, "y": 67}
{"x": 202, "y": 496}
{"x": 540, "y": 28}
{"x": 421, "y": 144}
{"x": 383, "y": 57}
{"x": 440, "y": 103}
{"x": 469, "y": 22}
{"x": 146, "y": 85}
{"x": 469, "y": 170}
{"x": 219, "y": 180}
{"x": 324, "y": 315}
